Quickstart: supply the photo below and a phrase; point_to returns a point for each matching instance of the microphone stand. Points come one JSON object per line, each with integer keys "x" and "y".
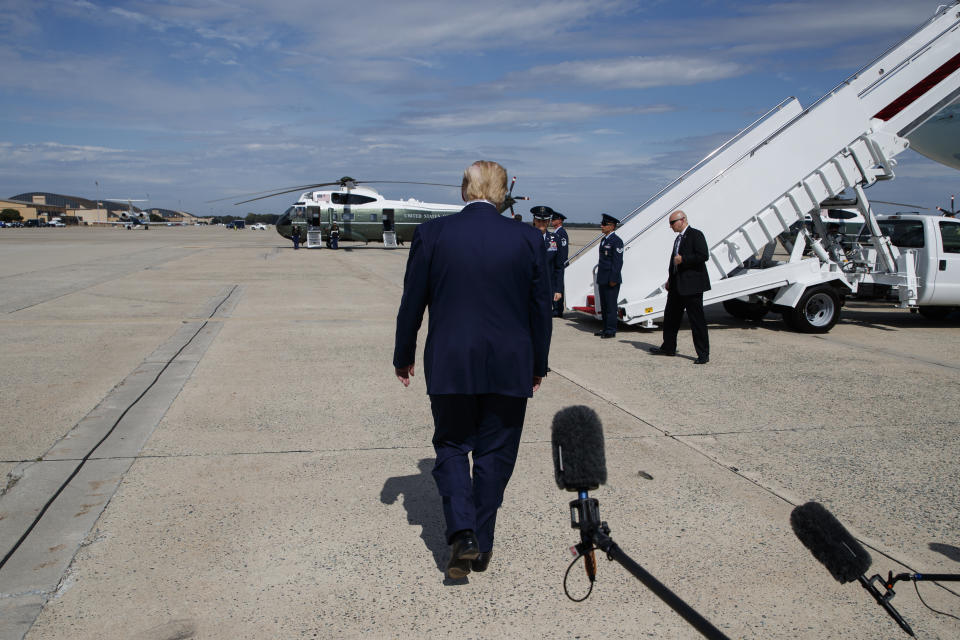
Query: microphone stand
{"x": 883, "y": 599}
{"x": 921, "y": 577}
{"x": 585, "y": 516}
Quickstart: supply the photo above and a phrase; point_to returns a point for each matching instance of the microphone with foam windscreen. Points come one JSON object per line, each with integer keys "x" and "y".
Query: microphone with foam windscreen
{"x": 844, "y": 557}
{"x": 579, "y": 463}
{"x": 830, "y": 542}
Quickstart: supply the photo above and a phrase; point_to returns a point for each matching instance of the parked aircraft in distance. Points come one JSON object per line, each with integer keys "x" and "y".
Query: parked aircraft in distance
{"x": 130, "y": 218}
{"x": 361, "y": 213}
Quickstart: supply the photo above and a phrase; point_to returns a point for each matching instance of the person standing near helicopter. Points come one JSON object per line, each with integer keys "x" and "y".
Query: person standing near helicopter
{"x": 335, "y": 236}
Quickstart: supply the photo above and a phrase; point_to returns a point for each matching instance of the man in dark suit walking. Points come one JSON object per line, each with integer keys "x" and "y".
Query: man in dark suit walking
{"x": 686, "y": 282}
{"x": 485, "y": 280}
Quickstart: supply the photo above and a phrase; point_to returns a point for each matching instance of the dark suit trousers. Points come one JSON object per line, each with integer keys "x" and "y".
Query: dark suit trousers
{"x": 673, "y": 314}
{"x": 608, "y": 306}
{"x": 489, "y": 426}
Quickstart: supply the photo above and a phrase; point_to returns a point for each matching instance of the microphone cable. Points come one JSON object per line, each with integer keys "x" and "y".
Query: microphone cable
{"x": 566, "y": 575}
{"x": 916, "y": 588}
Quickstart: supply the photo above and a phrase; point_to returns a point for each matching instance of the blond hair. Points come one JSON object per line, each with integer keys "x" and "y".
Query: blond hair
{"x": 484, "y": 180}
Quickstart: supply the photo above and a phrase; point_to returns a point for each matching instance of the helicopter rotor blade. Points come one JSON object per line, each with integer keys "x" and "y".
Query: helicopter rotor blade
{"x": 432, "y": 184}
{"x": 279, "y": 193}
{"x": 345, "y": 181}
{"x": 901, "y": 204}
{"x": 268, "y": 191}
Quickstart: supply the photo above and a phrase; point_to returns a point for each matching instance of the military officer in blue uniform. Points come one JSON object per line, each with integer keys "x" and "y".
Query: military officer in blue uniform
{"x": 541, "y": 220}
{"x": 608, "y": 275}
{"x": 563, "y": 252}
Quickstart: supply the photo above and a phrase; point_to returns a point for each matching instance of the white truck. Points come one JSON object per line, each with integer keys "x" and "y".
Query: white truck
{"x": 759, "y": 187}
{"x": 926, "y": 249}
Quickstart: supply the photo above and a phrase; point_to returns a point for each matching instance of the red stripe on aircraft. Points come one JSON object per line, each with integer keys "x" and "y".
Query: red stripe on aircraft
{"x": 919, "y": 89}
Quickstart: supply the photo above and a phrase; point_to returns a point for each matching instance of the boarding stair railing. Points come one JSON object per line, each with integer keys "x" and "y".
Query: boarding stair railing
{"x": 771, "y": 175}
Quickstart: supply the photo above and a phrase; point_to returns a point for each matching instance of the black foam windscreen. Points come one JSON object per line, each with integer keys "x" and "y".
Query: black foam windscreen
{"x": 830, "y": 542}
{"x": 579, "y": 463}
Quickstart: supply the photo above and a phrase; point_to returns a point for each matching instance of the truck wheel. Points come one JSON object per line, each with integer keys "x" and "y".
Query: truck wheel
{"x": 817, "y": 311}
{"x": 935, "y": 313}
{"x": 745, "y": 310}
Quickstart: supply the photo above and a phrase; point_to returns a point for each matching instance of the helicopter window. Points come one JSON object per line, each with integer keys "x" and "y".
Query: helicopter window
{"x": 350, "y": 198}
{"x": 373, "y": 217}
{"x": 347, "y": 216}
{"x": 335, "y": 217}
{"x": 950, "y": 232}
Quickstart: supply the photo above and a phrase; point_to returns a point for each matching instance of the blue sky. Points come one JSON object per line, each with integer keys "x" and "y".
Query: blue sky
{"x": 593, "y": 104}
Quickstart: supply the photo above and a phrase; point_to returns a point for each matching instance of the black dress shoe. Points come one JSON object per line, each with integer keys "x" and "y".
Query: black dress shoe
{"x": 463, "y": 550}
{"x": 608, "y": 335}
{"x": 701, "y": 361}
{"x": 598, "y": 333}
{"x": 660, "y": 351}
{"x": 480, "y": 564}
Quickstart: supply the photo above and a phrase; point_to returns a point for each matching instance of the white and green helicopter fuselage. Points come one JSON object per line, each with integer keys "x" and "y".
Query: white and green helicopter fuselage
{"x": 360, "y": 213}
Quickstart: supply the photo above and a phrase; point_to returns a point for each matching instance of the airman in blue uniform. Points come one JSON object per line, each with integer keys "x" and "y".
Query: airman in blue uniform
{"x": 563, "y": 252}
{"x": 541, "y": 220}
{"x": 608, "y": 275}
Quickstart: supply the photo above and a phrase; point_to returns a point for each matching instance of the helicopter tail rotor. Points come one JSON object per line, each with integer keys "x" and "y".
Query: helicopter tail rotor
{"x": 511, "y": 200}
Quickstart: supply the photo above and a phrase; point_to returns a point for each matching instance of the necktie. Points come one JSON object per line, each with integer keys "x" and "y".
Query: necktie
{"x": 676, "y": 250}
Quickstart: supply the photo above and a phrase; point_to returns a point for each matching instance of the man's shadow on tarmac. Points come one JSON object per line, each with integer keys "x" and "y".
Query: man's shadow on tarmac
{"x": 424, "y": 509}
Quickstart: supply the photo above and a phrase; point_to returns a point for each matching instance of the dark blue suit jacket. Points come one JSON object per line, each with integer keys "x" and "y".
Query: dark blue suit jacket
{"x": 484, "y": 277}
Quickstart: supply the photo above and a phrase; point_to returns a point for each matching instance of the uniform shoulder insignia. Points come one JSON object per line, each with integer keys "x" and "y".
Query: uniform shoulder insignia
{"x": 619, "y": 249}
{"x": 563, "y": 241}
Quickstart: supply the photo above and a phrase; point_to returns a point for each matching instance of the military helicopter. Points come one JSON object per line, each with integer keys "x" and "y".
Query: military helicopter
{"x": 361, "y": 213}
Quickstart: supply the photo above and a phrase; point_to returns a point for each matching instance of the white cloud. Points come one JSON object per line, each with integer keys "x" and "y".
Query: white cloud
{"x": 138, "y": 18}
{"x": 780, "y": 26}
{"x": 635, "y": 72}
{"x": 523, "y": 113}
{"x": 52, "y": 152}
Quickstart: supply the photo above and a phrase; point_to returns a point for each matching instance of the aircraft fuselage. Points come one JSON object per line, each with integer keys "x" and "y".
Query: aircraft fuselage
{"x": 360, "y": 213}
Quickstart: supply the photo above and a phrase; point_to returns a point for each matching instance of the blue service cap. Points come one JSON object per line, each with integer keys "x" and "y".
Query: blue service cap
{"x": 608, "y": 219}
{"x": 556, "y": 215}
{"x": 541, "y": 212}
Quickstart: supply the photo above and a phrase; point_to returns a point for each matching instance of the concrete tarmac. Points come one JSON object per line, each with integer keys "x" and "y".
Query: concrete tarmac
{"x": 209, "y": 424}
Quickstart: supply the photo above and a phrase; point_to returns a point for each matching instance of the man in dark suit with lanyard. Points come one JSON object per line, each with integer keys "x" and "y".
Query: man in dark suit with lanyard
{"x": 686, "y": 282}
{"x": 484, "y": 277}
{"x": 609, "y": 265}
{"x": 563, "y": 252}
